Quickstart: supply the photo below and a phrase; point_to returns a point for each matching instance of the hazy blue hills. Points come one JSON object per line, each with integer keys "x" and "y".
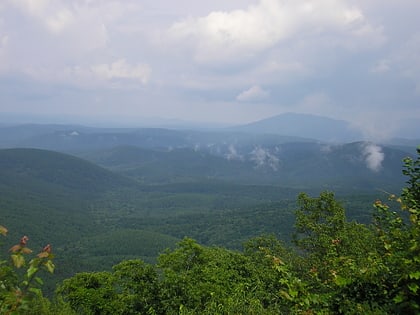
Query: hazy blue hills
{"x": 304, "y": 125}
{"x": 251, "y": 154}
{"x": 21, "y": 135}
{"x": 277, "y": 130}
{"x": 82, "y": 139}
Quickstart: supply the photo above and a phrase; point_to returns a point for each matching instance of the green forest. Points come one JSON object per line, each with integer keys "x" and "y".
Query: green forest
{"x": 331, "y": 265}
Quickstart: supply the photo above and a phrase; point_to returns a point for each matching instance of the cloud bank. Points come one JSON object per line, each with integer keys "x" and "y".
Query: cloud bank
{"x": 212, "y": 61}
{"x": 241, "y": 34}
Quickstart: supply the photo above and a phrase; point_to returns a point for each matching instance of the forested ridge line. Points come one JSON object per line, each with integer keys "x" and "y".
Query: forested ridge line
{"x": 335, "y": 266}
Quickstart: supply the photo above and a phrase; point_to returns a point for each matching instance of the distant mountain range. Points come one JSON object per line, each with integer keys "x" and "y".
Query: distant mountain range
{"x": 303, "y": 165}
{"x": 271, "y": 131}
{"x": 220, "y": 187}
{"x": 289, "y": 150}
{"x": 305, "y": 126}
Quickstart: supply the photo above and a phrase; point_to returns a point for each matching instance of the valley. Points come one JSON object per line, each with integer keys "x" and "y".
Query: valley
{"x": 100, "y": 196}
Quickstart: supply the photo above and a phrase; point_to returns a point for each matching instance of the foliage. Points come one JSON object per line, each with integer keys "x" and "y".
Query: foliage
{"x": 20, "y": 291}
{"x": 400, "y": 239}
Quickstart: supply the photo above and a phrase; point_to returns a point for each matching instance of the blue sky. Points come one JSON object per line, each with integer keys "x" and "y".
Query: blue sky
{"x": 217, "y": 61}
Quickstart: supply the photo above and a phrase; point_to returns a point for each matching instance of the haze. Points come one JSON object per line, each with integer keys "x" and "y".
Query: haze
{"x": 221, "y": 62}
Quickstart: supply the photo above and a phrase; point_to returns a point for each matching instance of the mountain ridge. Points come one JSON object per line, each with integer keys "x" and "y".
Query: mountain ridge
{"x": 304, "y": 125}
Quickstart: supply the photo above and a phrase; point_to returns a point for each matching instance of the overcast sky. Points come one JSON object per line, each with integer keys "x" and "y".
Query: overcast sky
{"x": 219, "y": 61}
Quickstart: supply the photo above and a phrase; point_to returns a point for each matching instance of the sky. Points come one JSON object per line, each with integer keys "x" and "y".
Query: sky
{"x": 224, "y": 62}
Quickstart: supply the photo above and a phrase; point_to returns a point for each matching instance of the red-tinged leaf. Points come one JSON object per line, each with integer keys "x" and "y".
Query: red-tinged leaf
{"x": 43, "y": 255}
{"x": 15, "y": 248}
{"x": 24, "y": 240}
{"x": 26, "y": 250}
{"x": 47, "y": 248}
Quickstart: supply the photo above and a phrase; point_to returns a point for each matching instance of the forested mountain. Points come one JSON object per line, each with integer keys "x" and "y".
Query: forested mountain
{"x": 357, "y": 166}
{"x": 87, "y": 211}
{"x": 100, "y": 196}
{"x": 334, "y": 266}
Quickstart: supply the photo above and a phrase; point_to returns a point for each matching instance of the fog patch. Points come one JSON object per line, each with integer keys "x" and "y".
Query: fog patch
{"x": 263, "y": 157}
{"x": 233, "y": 154}
{"x": 326, "y": 148}
{"x": 373, "y": 156}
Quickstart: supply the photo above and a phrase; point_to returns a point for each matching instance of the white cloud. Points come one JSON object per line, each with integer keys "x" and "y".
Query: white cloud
{"x": 373, "y": 156}
{"x": 254, "y": 93}
{"x": 61, "y": 20}
{"x": 242, "y": 34}
{"x": 120, "y": 69}
{"x": 54, "y": 15}
{"x": 33, "y": 7}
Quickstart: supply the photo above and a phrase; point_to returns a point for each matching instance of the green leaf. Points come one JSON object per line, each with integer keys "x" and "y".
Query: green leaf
{"x": 36, "y": 291}
{"x": 285, "y": 295}
{"x": 413, "y": 287}
{"x": 18, "y": 260}
{"x": 341, "y": 281}
{"x": 387, "y": 246}
{"x": 39, "y": 280}
{"x": 3, "y": 230}
{"x": 293, "y": 293}
{"x": 398, "y": 299}
{"x": 50, "y": 266}
{"x": 31, "y": 271}
{"x": 414, "y": 275}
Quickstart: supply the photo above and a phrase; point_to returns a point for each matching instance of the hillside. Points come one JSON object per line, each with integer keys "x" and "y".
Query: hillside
{"x": 359, "y": 166}
{"x": 220, "y": 193}
{"x": 90, "y": 214}
{"x": 28, "y": 168}
{"x": 48, "y": 195}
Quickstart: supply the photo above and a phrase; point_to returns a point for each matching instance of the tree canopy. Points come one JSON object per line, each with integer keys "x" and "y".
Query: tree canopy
{"x": 334, "y": 266}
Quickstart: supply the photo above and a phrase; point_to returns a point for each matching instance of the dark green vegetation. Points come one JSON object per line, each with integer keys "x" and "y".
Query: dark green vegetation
{"x": 158, "y": 197}
{"x": 124, "y": 196}
{"x": 91, "y": 213}
{"x": 301, "y": 166}
{"x": 335, "y": 266}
